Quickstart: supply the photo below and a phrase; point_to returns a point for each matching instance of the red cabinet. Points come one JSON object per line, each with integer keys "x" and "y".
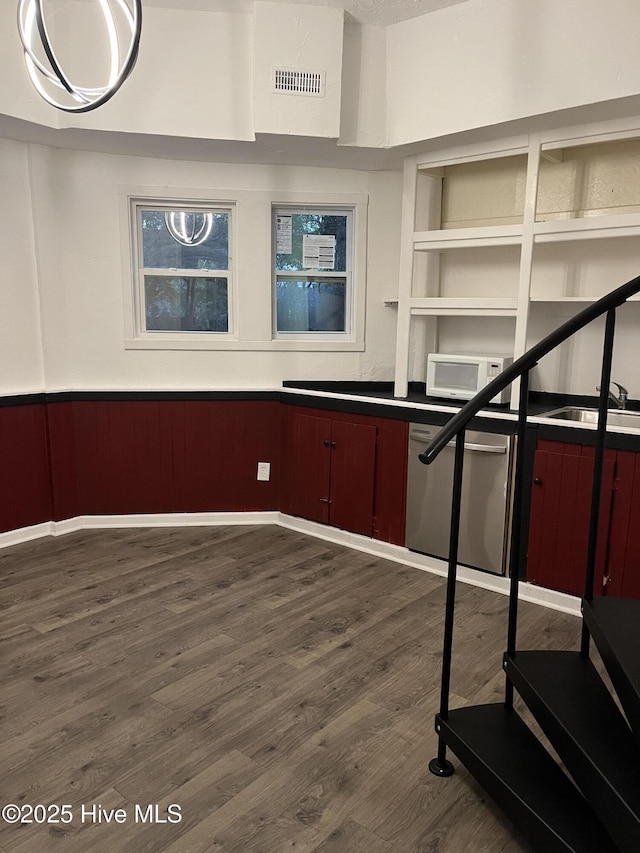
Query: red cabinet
{"x": 333, "y": 472}
{"x": 623, "y": 557}
{"x": 310, "y": 468}
{"x": 560, "y": 510}
{"x": 560, "y": 513}
{"x": 348, "y": 471}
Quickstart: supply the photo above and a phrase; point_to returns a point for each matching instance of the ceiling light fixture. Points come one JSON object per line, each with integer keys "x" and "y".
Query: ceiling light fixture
{"x": 188, "y": 229}
{"x": 80, "y": 98}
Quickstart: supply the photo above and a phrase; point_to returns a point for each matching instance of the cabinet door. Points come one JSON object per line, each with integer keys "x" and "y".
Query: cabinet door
{"x": 623, "y": 564}
{"x": 560, "y": 510}
{"x": 353, "y": 465}
{"x": 310, "y": 467}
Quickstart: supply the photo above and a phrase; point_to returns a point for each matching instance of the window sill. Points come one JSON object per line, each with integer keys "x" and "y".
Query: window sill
{"x": 165, "y": 343}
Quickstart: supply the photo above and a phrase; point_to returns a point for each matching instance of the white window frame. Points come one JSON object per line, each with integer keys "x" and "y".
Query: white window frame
{"x": 250, "y": 295}
{"x": 164, "y": 339}
{"x": 348, "y": 274}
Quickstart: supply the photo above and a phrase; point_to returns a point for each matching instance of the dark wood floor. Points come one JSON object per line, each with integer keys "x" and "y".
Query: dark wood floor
{"x": 278, "y": 688}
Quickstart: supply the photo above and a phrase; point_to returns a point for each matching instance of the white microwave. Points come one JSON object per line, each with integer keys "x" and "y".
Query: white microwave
{"x": 460, "y": 377}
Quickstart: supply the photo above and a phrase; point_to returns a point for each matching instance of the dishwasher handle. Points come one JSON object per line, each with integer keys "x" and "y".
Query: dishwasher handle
{"x": 424, "y": 437}
{"x": 484, "y": 448}
{"x": 427, "y": 438}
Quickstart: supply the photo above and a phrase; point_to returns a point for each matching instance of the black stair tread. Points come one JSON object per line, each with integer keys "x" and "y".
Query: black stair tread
{"x": 500, "y": 750}
{"x": 582, "y": 721}
{"x": 614, "y": 624}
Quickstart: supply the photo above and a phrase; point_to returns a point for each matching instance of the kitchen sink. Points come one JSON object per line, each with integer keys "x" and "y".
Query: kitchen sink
{"x": 590, "y": 416}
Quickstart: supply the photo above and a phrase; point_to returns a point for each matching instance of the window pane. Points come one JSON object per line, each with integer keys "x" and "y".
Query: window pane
{"x": 185, "y": 304}
{"x": 310, "y": 305}
{"x": 309, "y": 224}
{"x": 192, "y": 247}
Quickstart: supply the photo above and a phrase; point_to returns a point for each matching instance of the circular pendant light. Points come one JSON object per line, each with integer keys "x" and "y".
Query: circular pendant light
{"x": 45, "y": 70}
{"x": 188, "y": 229}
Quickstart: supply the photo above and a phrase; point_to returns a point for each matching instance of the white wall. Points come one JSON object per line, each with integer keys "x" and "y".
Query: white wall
{"x": 297, "y": 37}
{"x": 363, "y": 119}
{"x": 192, "y": 78}
{"x": 21, "y": 364}
{"x": 471, "y": 65}
{"x": 483, "y": 62}
{"x": 575, "y": 368}
{"x": 77, "y": 219}
{"x": 17, "y": 95}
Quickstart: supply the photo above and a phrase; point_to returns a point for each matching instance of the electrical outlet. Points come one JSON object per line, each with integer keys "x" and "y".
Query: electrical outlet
{"x": 264, "y": 471}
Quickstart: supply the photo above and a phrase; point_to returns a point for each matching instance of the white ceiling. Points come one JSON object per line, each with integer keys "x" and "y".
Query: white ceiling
{"x": 383, "y": 12}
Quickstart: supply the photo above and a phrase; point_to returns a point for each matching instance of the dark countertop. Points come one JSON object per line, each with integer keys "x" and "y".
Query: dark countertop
{"x": 377, "y": 398}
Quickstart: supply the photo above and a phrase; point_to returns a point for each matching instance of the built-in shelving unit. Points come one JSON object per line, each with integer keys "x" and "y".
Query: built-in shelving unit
{"x": 489, "y": 232}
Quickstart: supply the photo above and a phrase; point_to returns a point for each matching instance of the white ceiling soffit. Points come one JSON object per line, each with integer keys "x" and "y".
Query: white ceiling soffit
{"x": 299, "y": 151}
{"x": 382, "y": 12}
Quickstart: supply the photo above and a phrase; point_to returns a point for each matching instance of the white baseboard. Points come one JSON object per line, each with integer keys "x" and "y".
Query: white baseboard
{"x": 170, "y": 519}
{"x": 174, "y": 519}
{"x": 69, "y": 525}
{"x": 397, "y": 553}
{"x": 25, "y": 534}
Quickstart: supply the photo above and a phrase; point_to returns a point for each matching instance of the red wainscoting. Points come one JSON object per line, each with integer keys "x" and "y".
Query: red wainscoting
{"x": 119, "y": 457}
{"x": 65, "y": 501}
{"x": 25, "y": 486}
{"x": 67, "y": 458}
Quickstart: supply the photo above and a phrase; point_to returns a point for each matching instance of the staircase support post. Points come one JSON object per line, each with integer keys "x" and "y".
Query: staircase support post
{"x": 440, "y": 766}
{"x": 598, "y": 464}
{"x": 516, "y": 528}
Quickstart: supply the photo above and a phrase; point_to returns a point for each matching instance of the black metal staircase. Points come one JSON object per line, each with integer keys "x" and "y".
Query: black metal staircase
{"x": 592, "y": 802}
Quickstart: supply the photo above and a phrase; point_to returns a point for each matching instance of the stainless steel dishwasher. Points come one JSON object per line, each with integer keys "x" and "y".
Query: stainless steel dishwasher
{"x": 486, "y": 498}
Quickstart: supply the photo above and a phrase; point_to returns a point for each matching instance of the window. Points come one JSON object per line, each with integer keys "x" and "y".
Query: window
{"x": 253, "y": 270}
{"x": 313, "y": 272}
{"x": 183, "y": 268}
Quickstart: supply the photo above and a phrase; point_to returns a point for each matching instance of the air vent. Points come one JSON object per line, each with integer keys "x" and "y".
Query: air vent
{"x": 296, "y": 81}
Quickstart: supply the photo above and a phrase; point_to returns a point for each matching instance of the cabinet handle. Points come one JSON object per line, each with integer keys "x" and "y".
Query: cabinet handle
{"x": 333, "y": 445}
{"x": 325, "y": 501}
{"x": 537, "y": 481}
{"x": 326, "y": 442}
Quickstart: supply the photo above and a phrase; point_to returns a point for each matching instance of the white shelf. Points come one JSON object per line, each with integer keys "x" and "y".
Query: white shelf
{"x": 587, "y": 228}
{"x": 584, "y": 300}
{"x": 463, "y": 306}
{"x": 467, "y": 238}
{"x": 577, "y": 299}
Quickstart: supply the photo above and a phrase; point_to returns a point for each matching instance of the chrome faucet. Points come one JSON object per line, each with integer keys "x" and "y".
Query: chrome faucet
{"x": 621, "y": 399}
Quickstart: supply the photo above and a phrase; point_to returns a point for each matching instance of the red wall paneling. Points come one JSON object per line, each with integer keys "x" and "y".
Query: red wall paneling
{"x": 176, "y": 456}
{"x": 129, "y": 456}
{"x": 62, "y": 459}
{"x": 67, "y": 458}
{"x": 224, "y": 441}
{"x": 25, "y": 485}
